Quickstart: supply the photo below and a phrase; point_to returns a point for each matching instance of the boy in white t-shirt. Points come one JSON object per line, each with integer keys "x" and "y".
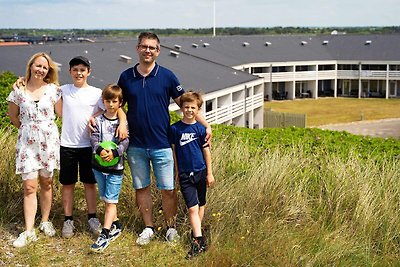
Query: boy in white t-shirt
{"x": 80, "y": 101}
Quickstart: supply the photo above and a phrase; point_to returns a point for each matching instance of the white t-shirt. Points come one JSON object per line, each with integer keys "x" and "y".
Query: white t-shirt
{"x": 78, "y": 105}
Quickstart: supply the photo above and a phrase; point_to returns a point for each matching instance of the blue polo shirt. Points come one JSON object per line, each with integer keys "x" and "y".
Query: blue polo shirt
{"x": 148, "y": 100}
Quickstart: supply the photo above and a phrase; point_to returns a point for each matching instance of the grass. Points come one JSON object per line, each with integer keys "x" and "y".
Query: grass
{"x": 339, "y": 110}
{"x": 283, "y": 197}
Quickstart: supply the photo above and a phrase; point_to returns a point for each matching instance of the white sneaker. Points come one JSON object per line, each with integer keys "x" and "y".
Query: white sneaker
{"x": 145, "y": 237}
{"x": 94, "y": 225}
{"x": 172, "y": 235}
{"x": 68, "y": 228}
{"x": 25, "y": 238}
{"x": 47, "y": 228}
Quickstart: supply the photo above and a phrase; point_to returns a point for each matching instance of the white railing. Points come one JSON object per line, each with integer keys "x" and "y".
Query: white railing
{"x": 236, "y": 109}
{"x": 254, "y": 101}
{"x": 305, "y": 75}
{"x": 282, "y": 76}
{"x": 373, "y": 74}
{"x": 347, "y": 74}
{"x": 326, "y": 74}
{"x": 394, "y": 75}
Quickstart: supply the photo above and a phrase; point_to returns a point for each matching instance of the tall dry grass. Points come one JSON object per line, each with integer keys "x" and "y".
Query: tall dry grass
{"x": 280, "y": 207}
{"x": 286, "y": 208}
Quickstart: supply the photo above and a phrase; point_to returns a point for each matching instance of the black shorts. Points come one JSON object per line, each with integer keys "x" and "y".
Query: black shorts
{"x": 72, "y": 159}
{"x": 193, "y": 187}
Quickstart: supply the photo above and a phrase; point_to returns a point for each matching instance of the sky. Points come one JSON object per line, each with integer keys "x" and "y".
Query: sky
{"x": 144, "y": 14}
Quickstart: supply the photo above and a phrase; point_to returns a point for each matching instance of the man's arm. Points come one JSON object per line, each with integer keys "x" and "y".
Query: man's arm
{"x": 122, "y": 130}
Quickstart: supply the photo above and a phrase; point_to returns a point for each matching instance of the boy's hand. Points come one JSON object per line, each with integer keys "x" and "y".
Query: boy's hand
{"x": 20, "y": 82}
{"x": 107, "y": 155}
{"x": 210, "y": 180}
{"x": 91, "y": 124}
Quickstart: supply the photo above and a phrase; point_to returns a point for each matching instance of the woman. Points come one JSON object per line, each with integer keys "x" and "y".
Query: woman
{"x": 31, "y": 110}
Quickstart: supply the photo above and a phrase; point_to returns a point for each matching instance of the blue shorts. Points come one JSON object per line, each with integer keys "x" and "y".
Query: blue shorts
{"x": 109, "y": 185}
{"x": 193, "y": 187}
{"x": 162, "y": 161}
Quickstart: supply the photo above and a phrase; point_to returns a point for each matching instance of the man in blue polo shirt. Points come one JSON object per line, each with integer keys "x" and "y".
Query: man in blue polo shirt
{"x": 147, "y": 88}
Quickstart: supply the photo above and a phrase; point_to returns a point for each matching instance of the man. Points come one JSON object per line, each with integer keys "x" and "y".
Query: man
{"x": 147, "y": 88}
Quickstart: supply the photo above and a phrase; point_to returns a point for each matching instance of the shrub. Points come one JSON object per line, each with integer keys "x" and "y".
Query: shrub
{"x": 6, "y": 80}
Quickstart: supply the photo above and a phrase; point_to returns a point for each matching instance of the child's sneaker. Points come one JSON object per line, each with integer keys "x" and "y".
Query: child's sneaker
{"x": 94, "y": 225}
{"x": 101, "y": 243}
{"x": 203, "y": 244}
{"x": 25, "y": 238}
{"x": 68, "y": 228}
{"x": 195, "y": 249}
{"x": 172, "y": 235}
{"x": 145, "y": 237}
{"x": 47, "y": 228}
{"x": 115, "y": 231}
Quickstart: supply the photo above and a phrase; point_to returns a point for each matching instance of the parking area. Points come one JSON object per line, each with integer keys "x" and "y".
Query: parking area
{"x": 378, "y": 128}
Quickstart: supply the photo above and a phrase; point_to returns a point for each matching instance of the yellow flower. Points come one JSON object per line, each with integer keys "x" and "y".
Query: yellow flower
{"x": 159, "y": 228}
{"x": 160, "y": 211}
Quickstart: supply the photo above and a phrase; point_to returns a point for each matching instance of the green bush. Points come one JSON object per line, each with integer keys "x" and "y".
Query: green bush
{"x": 6, "y": 80}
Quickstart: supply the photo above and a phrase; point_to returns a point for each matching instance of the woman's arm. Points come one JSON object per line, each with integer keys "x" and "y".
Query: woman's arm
{"x": 13, "y": 113}
{"x": 58, "y": 108}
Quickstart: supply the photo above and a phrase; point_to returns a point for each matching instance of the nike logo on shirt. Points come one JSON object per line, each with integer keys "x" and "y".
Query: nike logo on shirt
{"x": 186, "y": 138}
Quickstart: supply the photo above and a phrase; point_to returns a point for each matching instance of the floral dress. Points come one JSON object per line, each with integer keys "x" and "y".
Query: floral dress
{"x": 38, "y": 144}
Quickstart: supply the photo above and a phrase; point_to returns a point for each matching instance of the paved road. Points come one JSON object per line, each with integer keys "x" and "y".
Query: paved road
{"x": 378, "y": 128}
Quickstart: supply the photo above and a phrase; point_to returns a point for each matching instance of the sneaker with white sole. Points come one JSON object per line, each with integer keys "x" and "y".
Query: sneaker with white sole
{"x": 145, "y": 237}
{"x": 25, "y": 238}
{"x": 68, "y": 228}
{"x": 47, "y": 228}
{"x": 94, "y": 225}
{"x": 172, "y": 235}
{"x": 101, "y": 244}
{"x": 115, "y": 232}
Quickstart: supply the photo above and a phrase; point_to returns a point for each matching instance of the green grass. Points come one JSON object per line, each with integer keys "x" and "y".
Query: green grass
{"x": 339, "y": 110}
{"x": 283, "y": 197}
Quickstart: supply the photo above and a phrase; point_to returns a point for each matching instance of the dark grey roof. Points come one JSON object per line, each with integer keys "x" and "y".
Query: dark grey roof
{"x": 208, "y": 68}
{"x": 229, "y": 50}
{"x": 193, "y": 72}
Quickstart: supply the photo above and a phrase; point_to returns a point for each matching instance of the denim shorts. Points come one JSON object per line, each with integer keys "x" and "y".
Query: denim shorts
{"x": 109, "y": 185}
{"x": 161, "y": 160}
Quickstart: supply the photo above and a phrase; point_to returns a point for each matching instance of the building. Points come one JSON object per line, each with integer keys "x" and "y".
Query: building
{"x": 237, "y": 73}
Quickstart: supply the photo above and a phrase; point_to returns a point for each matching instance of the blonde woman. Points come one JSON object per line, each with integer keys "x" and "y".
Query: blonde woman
{"x": 32, "y": 110}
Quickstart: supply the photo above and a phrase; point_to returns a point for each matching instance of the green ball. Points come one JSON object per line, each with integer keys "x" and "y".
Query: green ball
{"x": 107, "y": 145}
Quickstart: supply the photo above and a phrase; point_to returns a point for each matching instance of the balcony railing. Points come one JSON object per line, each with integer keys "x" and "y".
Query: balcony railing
{"x": 238, "y": 108}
